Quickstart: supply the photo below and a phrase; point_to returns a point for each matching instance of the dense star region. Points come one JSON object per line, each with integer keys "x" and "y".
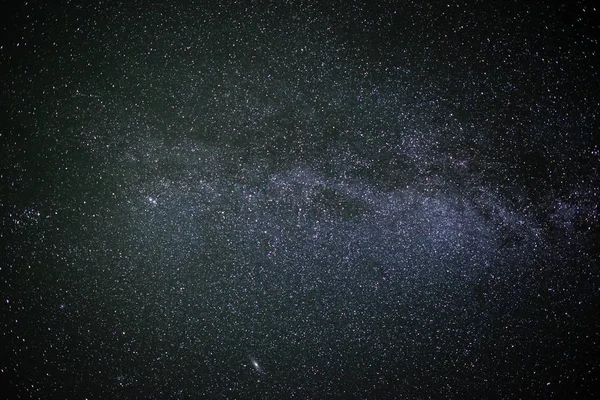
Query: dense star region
{"x": 328, "y": 200}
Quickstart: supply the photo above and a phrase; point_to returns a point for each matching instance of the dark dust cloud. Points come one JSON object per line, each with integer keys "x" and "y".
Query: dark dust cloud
{"x": 357, "y": 200}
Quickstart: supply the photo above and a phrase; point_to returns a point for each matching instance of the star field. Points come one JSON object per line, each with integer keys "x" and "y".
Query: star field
{"x": 298, "y": 200}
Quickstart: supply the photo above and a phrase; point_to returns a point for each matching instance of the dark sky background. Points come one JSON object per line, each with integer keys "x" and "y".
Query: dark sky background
{"x": 312, "y": 200}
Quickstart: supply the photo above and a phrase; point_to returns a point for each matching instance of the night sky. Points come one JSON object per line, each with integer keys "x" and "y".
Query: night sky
{"x": 296, "y": 199}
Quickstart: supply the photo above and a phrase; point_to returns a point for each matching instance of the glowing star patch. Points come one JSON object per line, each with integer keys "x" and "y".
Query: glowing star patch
{"x": 257, "y": 367}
